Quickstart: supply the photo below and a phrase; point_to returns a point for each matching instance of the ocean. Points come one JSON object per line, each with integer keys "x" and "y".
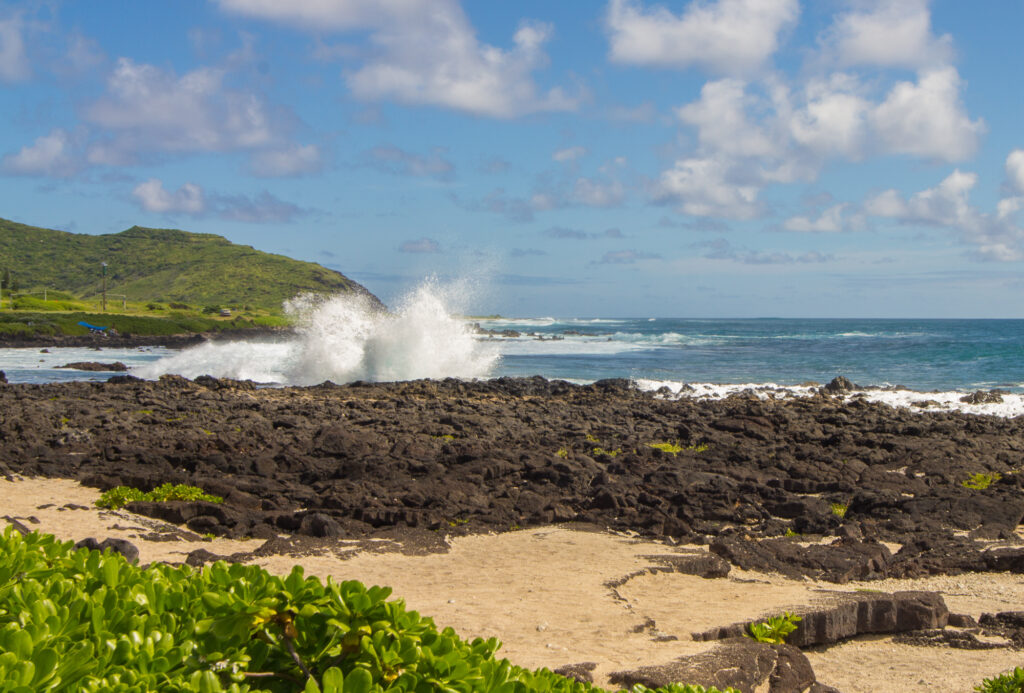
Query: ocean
{"x": 341, "y": 340}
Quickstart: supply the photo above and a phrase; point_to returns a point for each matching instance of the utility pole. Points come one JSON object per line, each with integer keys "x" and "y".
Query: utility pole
{"x": 104, "y": 287}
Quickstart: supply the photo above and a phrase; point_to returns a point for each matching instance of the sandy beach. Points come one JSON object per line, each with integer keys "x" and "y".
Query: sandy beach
{"x": 544, "y": 592}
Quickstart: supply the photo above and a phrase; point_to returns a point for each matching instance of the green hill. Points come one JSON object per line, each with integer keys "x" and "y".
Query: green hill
{"x": 160, "y": 265}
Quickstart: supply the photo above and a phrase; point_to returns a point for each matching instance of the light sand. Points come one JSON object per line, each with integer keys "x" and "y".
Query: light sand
{"x": 544, "y": 593}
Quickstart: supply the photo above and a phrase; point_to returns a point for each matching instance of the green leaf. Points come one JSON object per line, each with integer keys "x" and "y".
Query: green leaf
{"x": 333, "y": 681}
{"x": 358, "y": 681}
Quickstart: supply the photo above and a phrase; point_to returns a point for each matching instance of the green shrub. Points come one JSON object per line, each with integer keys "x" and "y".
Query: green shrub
{"x": 676, "y": 448}
{"x": 839, "y": 509}
{"x": 1009, "y": 682}
{"x": 122, "y": 495}
{"x": 981, "y": 481}
{"x": 775, "y": 629}
{"x": 78, "y": 620}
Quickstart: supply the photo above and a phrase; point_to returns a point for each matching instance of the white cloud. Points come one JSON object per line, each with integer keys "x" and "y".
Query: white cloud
{"x": 49, "y": 155}
{"x": 569, "y": 154}
{"x": 152, "y": 109}
{"x": 153, "y": 197}
{"x": 724, "y": 36}
{"x": 426, "y": 52}
{"x": 191, "y": 199}
{"x": 702, "y": 187}
{"x": 889, "y": 33}
{"x": 592, "y": 193}
{"x": 720, "y": 116}
{"x": 927, "y": 119}
{"x": 994, "y": 237}
{"x": 946, "y": 204}
{"x": 833, "y": 119}
{"x": 830, "y": 221}
{"x": 14, "y": 65}
{"x": 294, "y": 160}
{"x": 1015, "y": 170}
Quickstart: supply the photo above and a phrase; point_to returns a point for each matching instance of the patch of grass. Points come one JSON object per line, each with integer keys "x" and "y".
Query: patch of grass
{"x": 610, "y": 453}
{"x": 120, "y": 496}
{"x": 775, "y": 629}
{"x": 591, "y": 438}
{"x": 676, "y": 447}
{"x": 980, "y": 481}
{"x": 445, "y": 437}
{"x": 839, "y": 509}
{"x": 563, "y": 453}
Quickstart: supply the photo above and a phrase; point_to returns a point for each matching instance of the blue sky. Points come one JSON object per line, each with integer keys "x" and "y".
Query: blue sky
{"x": 715, "y": 158}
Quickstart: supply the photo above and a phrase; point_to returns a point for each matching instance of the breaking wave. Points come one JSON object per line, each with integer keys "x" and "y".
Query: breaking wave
{"x": 346, "y": 338}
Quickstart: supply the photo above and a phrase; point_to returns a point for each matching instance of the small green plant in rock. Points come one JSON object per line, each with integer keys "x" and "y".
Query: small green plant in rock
{"x": 122, "y": 495}
{"x": 791, "y": 533}
{"x": 1009, "y": 682}
{"x": 839, "y": 509}
{"x": 445, "y": 437}
{"x": 775, "y": 629}
{"x": 610, "y": 453}
{"x": 591, "y": 438}
{"x": 676, "y": 448}
{"x": 563, "y": 453}
{"x": 981, "y": 481}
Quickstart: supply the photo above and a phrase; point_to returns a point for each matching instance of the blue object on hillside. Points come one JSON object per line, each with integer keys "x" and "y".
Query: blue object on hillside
{"x": 92, "y": 327}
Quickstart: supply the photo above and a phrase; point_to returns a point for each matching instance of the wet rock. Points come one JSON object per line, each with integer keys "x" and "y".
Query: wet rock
{"x": 95, "y": 366}
{"x": 983, "y": 397}
{"x": 839, "y": 385}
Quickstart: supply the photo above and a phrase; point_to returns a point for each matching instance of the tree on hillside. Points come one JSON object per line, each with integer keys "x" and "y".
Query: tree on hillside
{"x": 5, "y": 281}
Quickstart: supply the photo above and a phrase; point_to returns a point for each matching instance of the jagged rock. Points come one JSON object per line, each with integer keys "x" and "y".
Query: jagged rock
{"x": 95, "y": 366}
{"x": 706, "y": 565}
{"x": 839, "y": 385}
{"x": 982, "y": 397}
{"x": 853, "y": 614}
{"x": 582, "y": 672}
{"x": 742, "y": 663}
{"x": 840, "y": 562}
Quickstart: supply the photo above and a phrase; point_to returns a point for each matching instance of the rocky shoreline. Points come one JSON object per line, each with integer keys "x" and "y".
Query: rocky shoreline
{"x": 760, "y": 481}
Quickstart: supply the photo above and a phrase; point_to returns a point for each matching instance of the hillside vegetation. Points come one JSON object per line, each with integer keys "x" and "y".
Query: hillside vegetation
{"x": 159, "y": 265}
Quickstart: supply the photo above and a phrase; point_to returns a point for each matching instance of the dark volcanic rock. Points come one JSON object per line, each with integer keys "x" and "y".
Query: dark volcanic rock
{"x": 95, "y": 366}
{"x": 853, "y": 614}
{"x": 121, "y": 546}
{"x": 742, "y": 663}
{"x": 367, "y": 459}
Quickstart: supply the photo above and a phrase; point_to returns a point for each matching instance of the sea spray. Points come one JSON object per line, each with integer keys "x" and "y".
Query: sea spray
{"x": 346, "y": 338}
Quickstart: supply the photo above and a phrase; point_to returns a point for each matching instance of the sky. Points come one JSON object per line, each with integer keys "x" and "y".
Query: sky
{"x": 704, "y": 158}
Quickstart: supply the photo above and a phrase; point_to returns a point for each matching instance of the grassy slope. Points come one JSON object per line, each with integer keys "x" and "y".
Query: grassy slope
{"x": 160, "y": 265}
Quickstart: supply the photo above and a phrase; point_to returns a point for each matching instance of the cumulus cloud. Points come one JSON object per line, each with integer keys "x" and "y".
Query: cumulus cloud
{"x": 426, "y": 52}
{"x": 420, "y": 245}
{"x": 994, "y": 237}
{"x": 148, "y": 108}
{"x": 153, "y": 197}
{"x": 191, "y": 199}
{"x": 1015, "y": 170}
{"x": 888, "y": 33}
{"x": 394, "y": 160}
{"x": 294, "y": 160}
{"x": 830, "y": 221}
{"x": 927, "y": 118}
{"x": 50, "y": 155}
{"x": 751, "y": 136}
{"x": 724, "y": 36}
{"x": 704, "y": 187}
{"x": 14, "y": 65}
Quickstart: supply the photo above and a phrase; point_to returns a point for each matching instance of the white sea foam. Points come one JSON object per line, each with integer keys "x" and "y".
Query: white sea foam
{"x": 1011, "y": 406}
{"x": 345, "y": 338}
